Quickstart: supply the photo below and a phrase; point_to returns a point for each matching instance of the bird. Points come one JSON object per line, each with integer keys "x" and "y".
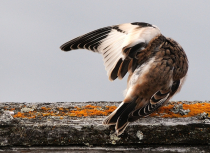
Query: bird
{"x": 156, "y": 65}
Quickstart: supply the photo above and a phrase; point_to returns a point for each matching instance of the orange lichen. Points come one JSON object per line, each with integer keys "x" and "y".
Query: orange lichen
{"x": 19, "y": 114}
{"x": 44, "y": 108}
{"x": 60, "y": 108}
{"x": 28, "y": 115}
{"x": 195, "y": 109}
{"x": 88, "y": 110}
{"x": 91, "y": 110}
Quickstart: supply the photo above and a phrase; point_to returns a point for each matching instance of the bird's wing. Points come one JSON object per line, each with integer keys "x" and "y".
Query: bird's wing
{"x": 118, "y": 44}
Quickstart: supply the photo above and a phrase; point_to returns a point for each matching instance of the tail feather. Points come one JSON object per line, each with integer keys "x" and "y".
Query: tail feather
{"x": 112, "y": 118}
{"x": 123, "y": 118}
{"x": 122, "y": 129}
{"x": 127, "y": 112}
{"x": 120, "y": 116}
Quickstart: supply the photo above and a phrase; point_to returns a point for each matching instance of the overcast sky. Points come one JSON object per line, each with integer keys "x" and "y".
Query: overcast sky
{"x": 34, "y": 69}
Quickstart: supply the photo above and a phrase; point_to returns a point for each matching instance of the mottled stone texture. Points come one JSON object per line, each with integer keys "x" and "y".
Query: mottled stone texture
{"x": 89, "y": 131}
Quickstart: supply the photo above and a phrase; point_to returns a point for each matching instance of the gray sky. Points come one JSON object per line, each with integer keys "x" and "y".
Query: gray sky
{"x": 34, "y": 69}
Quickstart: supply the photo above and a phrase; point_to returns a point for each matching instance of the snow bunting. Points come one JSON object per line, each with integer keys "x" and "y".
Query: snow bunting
{"x": 157, "y": 66}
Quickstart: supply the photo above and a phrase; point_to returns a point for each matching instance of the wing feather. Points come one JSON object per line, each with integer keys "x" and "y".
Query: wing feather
{"x": 148, "y": 108}
{"x": 111, "y": 41}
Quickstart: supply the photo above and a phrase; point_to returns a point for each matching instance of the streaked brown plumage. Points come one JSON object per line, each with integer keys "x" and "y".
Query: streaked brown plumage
{"x": 157, "y": 67}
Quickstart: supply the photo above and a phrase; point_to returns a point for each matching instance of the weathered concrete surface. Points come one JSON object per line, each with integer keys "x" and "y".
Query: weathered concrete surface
{"x": 88, "y": 131}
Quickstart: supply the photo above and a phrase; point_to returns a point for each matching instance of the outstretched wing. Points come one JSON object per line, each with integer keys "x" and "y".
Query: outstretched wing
{"x": 118, "y": 44}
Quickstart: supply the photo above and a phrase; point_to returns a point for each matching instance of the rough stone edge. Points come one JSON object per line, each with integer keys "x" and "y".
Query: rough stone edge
{"x": 116, "y": 140}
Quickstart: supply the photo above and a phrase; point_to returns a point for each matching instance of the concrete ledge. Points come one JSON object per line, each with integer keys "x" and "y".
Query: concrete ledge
{"x": 72, "y": 124}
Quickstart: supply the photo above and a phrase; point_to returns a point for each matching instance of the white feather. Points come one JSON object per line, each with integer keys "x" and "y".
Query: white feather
{"x": 130, "y": 35}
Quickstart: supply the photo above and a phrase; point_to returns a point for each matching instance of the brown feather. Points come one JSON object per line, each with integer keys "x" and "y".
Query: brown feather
{"x": 123, "y": 68}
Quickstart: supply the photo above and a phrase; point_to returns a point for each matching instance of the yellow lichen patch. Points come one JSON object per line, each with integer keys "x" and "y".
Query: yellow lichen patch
{"x": 195, "y": 109}
{"x": 60, "y": 108}
{"x": 88, "y": 110}
{"x": 19, "y": 114}
{"x": 91, "y": 110}
{"x": 46, "y": 109}
{"x": 28, "y": 115}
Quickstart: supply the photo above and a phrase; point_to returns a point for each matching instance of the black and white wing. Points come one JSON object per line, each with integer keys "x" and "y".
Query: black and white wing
{"x": 116, "y": 43}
